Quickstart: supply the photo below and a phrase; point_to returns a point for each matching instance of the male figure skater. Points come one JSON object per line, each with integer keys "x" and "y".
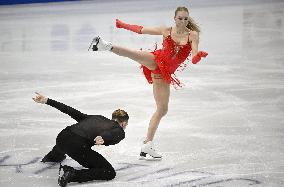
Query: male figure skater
{"x": 76, "y": 141}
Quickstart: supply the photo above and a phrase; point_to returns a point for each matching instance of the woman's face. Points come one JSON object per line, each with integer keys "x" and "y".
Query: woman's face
{"x": 181, "y": 19}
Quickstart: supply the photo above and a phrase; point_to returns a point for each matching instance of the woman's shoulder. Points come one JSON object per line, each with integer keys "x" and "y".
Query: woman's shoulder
{"x": 166, "y": 31}
{"x": 194, "y": 33}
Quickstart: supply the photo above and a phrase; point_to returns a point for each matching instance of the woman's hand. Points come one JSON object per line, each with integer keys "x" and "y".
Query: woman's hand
{"x": 197, "y": 57}
{"x": 133, "y": 28}
{"x": 40, "y": 98}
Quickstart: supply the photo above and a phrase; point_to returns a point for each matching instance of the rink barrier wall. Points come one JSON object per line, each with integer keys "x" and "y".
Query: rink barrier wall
{"x": 14, "y": 2}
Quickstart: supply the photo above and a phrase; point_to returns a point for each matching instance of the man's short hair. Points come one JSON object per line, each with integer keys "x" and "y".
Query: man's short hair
{"x": 120, "y": 115}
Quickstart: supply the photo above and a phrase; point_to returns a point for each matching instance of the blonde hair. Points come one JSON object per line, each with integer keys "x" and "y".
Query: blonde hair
{"x": 120, "y": 115}
{"x": 191, "y": 23}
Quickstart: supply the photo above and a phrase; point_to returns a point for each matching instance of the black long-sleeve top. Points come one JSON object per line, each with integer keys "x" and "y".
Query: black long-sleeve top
{"x": 91, "y": 126}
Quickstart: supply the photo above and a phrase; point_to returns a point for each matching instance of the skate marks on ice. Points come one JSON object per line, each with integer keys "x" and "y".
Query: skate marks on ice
{"x": 170, "y": 176}
{"x": 141, "y": 173}
{"x": 19, "y": 166}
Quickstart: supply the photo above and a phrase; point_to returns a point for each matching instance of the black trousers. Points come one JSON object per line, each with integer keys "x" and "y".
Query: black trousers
{"x": 79, "y": 149}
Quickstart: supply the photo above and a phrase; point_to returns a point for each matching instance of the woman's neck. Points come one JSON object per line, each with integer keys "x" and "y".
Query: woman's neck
{"x": 180, "y": 30}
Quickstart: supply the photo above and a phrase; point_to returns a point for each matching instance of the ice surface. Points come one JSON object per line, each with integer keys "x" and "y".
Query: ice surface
{"x": 224, "y": 128}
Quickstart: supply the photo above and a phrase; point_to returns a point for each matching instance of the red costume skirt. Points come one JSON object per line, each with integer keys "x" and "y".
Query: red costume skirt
{"x": 164, "y": 69}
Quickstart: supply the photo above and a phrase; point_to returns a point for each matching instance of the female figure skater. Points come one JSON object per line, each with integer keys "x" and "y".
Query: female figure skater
{"x": 159, "y": 66}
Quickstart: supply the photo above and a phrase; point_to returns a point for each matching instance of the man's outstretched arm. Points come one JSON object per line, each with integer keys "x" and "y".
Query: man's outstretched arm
{"x": 75, "y": 114}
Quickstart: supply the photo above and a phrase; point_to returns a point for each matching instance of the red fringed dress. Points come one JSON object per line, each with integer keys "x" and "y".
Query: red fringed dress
{"x": 168, "y": 60}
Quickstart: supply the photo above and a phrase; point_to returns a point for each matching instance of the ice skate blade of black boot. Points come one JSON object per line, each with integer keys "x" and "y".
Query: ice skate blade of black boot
{"x": 61, "y": 181}
{"x": 68, "y": 174}
{"x": 147, "y": 157}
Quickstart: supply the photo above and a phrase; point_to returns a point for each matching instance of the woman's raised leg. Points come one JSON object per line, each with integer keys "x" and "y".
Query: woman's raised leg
{"x": 142, "y": 57}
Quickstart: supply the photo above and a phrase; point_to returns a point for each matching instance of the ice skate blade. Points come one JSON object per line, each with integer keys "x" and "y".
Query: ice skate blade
{"x": 149, "y": 158}
{"x": 91, "y": 45}
{"x": 94, "y": 47}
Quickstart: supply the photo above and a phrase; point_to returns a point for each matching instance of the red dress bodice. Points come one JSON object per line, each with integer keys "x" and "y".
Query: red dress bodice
{"x": 172, "y": 54}
{"x": 168, "y": 60}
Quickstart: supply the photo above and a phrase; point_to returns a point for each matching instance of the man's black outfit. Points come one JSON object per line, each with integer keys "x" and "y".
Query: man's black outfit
{"x": 76, "y": 141}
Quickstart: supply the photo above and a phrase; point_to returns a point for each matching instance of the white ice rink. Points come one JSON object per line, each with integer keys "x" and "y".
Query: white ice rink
{"x": 223, "y": 128}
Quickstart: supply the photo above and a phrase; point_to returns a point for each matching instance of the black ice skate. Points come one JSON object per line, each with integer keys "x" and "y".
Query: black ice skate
{"x": 68, "y": 175}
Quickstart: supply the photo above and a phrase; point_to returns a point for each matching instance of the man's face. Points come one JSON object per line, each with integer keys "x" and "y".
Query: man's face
{"x": 124, "y": 124}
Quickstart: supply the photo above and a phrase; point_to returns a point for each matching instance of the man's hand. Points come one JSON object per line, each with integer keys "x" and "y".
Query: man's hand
{"x": 99, "y": 140}
{"x": 40, "y": 98}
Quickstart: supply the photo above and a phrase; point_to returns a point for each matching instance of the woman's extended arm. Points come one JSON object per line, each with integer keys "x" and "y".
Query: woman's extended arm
{"x": 140, "y": 29}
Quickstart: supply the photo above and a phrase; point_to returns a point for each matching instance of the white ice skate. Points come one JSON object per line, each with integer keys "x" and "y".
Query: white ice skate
{"x": 98, "y": 44}
{"x": 148, "y": 148}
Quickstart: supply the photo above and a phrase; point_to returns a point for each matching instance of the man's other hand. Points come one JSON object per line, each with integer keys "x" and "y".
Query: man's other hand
{"x": 40, "y": 98}
{"x": 99, "y": 140}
